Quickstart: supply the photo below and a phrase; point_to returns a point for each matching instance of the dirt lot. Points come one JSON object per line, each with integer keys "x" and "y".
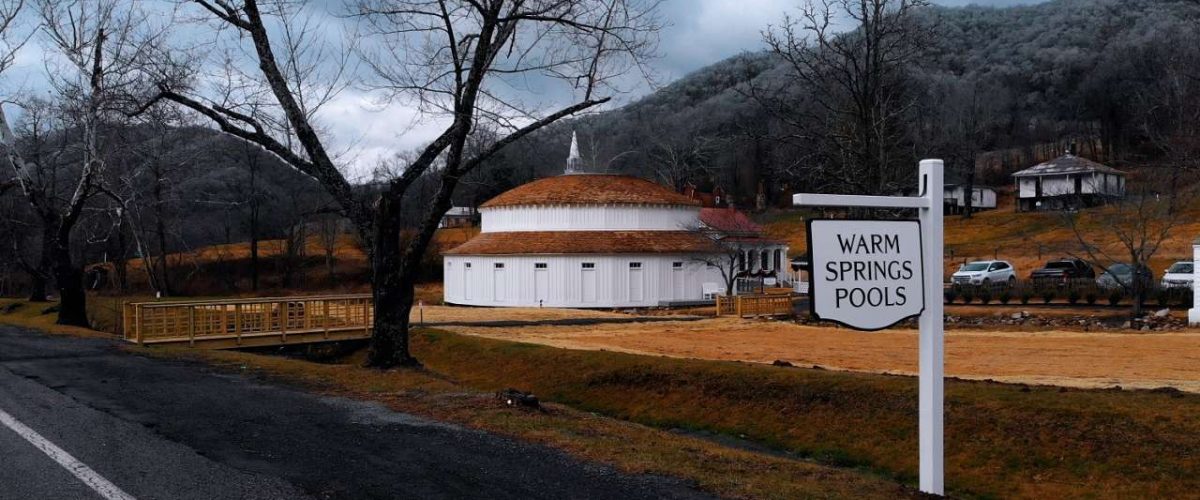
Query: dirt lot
{"x": 1066, "y": 358}
{"x": 451, "y": 314}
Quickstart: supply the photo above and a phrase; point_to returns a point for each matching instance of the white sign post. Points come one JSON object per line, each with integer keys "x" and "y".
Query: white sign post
{"x": 891, "y": 240}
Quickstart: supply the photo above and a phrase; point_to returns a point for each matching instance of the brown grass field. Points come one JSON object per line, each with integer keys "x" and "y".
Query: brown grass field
{"x": 854, "y": 433}
{"x": 1061, "y": 358}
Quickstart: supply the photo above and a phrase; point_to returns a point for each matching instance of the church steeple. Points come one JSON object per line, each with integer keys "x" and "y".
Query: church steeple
{"x": 574, "y": 162}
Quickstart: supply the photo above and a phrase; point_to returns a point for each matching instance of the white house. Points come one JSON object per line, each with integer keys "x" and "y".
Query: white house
{"x": 955, "y": 195}
{"x": 589, "y": 241}
{"x": 458, "y": 217}
{"x": 1067, "y": 182}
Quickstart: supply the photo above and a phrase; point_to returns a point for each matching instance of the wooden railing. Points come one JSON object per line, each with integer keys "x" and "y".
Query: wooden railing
{"x": 749, "y": 306}
{"x": 264, "y": 321}
{"x": 726, "y": 306}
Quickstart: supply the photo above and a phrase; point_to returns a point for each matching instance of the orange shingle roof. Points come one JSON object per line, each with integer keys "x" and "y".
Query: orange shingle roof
{"x": 589, "y": 189}
{"x": 585, "y": 242}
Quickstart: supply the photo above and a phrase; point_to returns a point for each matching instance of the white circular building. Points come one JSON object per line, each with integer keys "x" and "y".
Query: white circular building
{"x": 593, "y": 240}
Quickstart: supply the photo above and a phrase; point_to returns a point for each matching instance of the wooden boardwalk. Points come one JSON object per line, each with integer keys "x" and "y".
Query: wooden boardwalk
{"x": 228, "y": 324}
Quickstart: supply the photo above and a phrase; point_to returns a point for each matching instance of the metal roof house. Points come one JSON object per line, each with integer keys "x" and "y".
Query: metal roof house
{"x": 1067, "y": 182}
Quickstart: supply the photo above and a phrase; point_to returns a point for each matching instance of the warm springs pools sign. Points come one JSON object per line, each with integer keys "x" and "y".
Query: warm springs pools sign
{"x": 870, "y": 275}
{"x": 866, "y": 274}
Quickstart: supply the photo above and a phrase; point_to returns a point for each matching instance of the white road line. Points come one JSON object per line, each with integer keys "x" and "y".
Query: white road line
{"x": 89, "y": 477}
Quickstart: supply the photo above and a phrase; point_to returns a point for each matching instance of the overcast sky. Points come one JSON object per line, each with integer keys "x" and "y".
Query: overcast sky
{"x": 699, "y": 33}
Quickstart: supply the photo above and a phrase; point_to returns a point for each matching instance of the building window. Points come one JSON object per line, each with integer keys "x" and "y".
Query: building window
{"x": 539, "y": 265}
{"x": 677, "y": 265}
{"x": 589, "y": 265}
{"x": 635, "y": 265}
{"x": 467, "y": 265}
{"x": 766, "y": 264}
{"x": 499, "y": 265}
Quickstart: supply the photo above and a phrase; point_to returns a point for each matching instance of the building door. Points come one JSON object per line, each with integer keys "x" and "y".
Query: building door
{"x": 498, "y": 284}
{"x": 541, "y": 282}
{"x": 677, "y": 280}
{"x": 588, "y": 279}
{"x": 467, "y": 283}
{"x": 1079, "y": 184}
{"x": 637, "y": 290}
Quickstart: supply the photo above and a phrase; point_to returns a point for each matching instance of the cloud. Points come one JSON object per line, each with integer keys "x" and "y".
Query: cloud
{"x": 365, "y": 132}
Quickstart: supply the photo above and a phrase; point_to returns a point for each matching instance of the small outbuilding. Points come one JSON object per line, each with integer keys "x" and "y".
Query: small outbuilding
{"x": 1067, "y": 182}
{"x": 982, "y": 198}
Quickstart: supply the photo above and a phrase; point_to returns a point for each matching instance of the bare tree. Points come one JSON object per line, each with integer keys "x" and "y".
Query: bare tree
{"x": 678, "y": 161}
{"x": 450, "y": 57}
{"x": 1171, "y": 103}
{"x": 729, "y": 252}
{"x": 1136, "y": 226}
{"x": 848, "y": 93}
{"x": 99, "y": 42}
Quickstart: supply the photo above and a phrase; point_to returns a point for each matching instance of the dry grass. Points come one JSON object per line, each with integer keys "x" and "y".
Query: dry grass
{"x": 452, "y": 314}
{"x": 630, "y": 447}
{"x": 1001, "y": 440}
{"x": 1063, "y": 358}
{"x": 627, "y": 446}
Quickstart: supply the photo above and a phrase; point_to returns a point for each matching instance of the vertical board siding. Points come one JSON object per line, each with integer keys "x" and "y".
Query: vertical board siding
{"x": 564, "y": 280}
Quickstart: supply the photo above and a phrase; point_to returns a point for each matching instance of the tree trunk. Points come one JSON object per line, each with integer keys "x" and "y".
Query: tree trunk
{"x": 37, "y": 286}
{"x": 72, "y": 298}
{"x": 393, "y": 296}
{"x": 969, "y": 189}
{"x": 253, "y": 256}
{"x": 164, "y": 264}
{"x": 38, "y": 275}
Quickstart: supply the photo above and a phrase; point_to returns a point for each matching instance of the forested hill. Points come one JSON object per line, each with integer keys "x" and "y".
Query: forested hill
{"x": 1064, "y": 70}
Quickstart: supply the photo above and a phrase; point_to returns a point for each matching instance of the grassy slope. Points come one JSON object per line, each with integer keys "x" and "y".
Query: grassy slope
{"x": 628, "y": 446}
{"x": 1001, "y": 440}
{"x": 1013, "y": 236}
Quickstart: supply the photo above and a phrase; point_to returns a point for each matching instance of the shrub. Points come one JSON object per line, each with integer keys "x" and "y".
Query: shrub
{"x": 1073, "y": 296}
{"x": 1048, "y": 295}
{"x": 968, "y": 295}
{"x": 1091, "y": 296}
{"x": 985, "y": 295}
{"x": 1162, "y": 296}
{"x": 951, "y": 295}
{"x": 1186, "y": 298}
{"x": 1114, "y": 296}
{"x": 1026, "y": 295}
{"x": 1005, "y": 296}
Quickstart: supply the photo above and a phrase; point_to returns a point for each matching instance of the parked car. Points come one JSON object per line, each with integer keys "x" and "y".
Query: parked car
{"x": 1063, "y": 271}
{"x": 984, "y": 273}
{"x": 1120, "y": 275}
{"x": 1179, "y": 275}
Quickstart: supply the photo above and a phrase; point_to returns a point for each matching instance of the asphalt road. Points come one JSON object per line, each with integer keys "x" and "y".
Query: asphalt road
{"x": 81, "y": 419}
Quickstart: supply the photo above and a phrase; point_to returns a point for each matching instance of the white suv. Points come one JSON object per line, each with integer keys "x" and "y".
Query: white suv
{"x": 985, "y": 272}
{"x": 1179, "y": 275}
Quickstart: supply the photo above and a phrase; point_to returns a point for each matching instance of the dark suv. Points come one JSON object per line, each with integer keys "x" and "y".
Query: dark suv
{"x": 1063, "y": 271}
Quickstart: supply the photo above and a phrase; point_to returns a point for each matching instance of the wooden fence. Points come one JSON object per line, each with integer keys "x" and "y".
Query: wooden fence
{"x": 750, "y": 306}
{"x": 249, "y": 322}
